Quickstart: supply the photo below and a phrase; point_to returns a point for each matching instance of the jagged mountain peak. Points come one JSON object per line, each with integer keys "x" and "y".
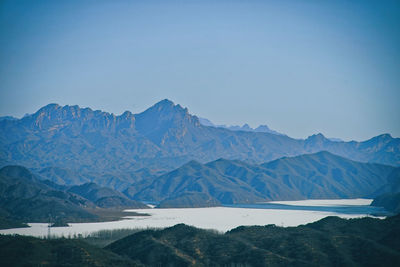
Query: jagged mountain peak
{"x": 262, "y": 128}
{"x": 246, "y": 127}
{"x": 318, "y": 136}
{"x": 164, "y": 102}
{"x": 54, "y": 116}
{"x": 50, "y": 106}
{"x": 127, "y": 114}
{"x": 383, "y": 137}
{"x": 161, "y": 117}
{"x": 81, "y": 138}
{"x": 166, "y": 105}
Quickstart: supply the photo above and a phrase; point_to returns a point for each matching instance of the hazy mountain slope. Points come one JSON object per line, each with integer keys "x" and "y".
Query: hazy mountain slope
{"x": 388, "y": 196}
{"x": 11, "y": 118}
{"x": 110, "y": 150}
{"x": 118, "y": 180}
{"x": 104, "y": 197}
{"x": 383, "y": 149}
{"x": 24, "y": 198}
{"x": 389, "y": 201}
{"x": 190, "y": 200}
{"x": 319, "y": 175}
{"x": 324, "y": 175}
{"x": 329, "y": 242}
{"x": 392, "y": 185}
{"x": 245, "y": 127}
{"x": 196, "y": 177}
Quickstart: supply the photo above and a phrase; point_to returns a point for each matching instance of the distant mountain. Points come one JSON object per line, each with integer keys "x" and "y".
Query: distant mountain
{"x": 389, "y": 201}
{"x": 118, "y": 180}
{"x": 313, "y": 176}
{"x": 25, "y": 198}
{"x": 11, "y": 118}
{"x": 117, "y": 151}
{"x": 336, "y": 139}
{"x": 329, "y": 175}
{"x": 104, "y": 197}
{"x": 392, "y": 185}
{"x": 329, "y": 242}
{"x": 195, "y": 177}
{"x": 206, "y": 122}
{"x": 388, "y": 196}
{"x": 245, "y": 127}
{"x": 190, "y": 200}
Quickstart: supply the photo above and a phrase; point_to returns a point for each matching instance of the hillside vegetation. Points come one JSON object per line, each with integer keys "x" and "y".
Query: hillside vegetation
{"x": 329, "y": 242}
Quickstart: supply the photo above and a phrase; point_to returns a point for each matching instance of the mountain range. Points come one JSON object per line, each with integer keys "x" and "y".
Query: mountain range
{"x": 245, "y": 127}
{"x": 312, "y": 176}
{"x": 73, "y": 145}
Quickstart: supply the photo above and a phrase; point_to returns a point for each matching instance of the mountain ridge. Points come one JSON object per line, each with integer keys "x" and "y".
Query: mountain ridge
{"x": 321, "y": 175}
{"x": 331, "y": 241}
{"x": 245, "y": 127}
{"x": 114, "y": 148}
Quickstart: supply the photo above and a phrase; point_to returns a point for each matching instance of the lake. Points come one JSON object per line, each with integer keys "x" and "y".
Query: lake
{"x": 280, "y": 213}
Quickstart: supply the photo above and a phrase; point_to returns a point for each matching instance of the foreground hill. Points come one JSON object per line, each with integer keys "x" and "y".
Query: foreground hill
{"x": 329, "y": 242}
{"x": 120, "y": 150}
{"x": 313, "y": 176}
{"x": 30, "y": 251}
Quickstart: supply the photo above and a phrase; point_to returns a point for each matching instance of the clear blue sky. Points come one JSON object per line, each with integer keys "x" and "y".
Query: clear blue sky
{"x": 300, "y": 67}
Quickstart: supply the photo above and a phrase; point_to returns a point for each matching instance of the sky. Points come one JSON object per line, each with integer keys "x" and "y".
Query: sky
{"x": 301, "y": 67}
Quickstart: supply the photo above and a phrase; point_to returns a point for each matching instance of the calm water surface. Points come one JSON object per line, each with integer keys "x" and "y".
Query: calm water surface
{"x": 281, "y": 213}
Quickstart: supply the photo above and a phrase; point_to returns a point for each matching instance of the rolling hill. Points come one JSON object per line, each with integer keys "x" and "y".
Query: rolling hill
{"x": 329, "y": 242}
{"x": 105, "y": 197}
{"x": 25, "y": 198}
{"x": 31, "y": 251}
{"x": 311, "y": 176}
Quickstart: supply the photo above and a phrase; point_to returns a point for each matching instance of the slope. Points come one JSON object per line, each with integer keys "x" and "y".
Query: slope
{"x": 312, "y": 176}
{"x": 24, "y": 198}
{"x": 329, "y": 242}
{"x": 104, "y": 197}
